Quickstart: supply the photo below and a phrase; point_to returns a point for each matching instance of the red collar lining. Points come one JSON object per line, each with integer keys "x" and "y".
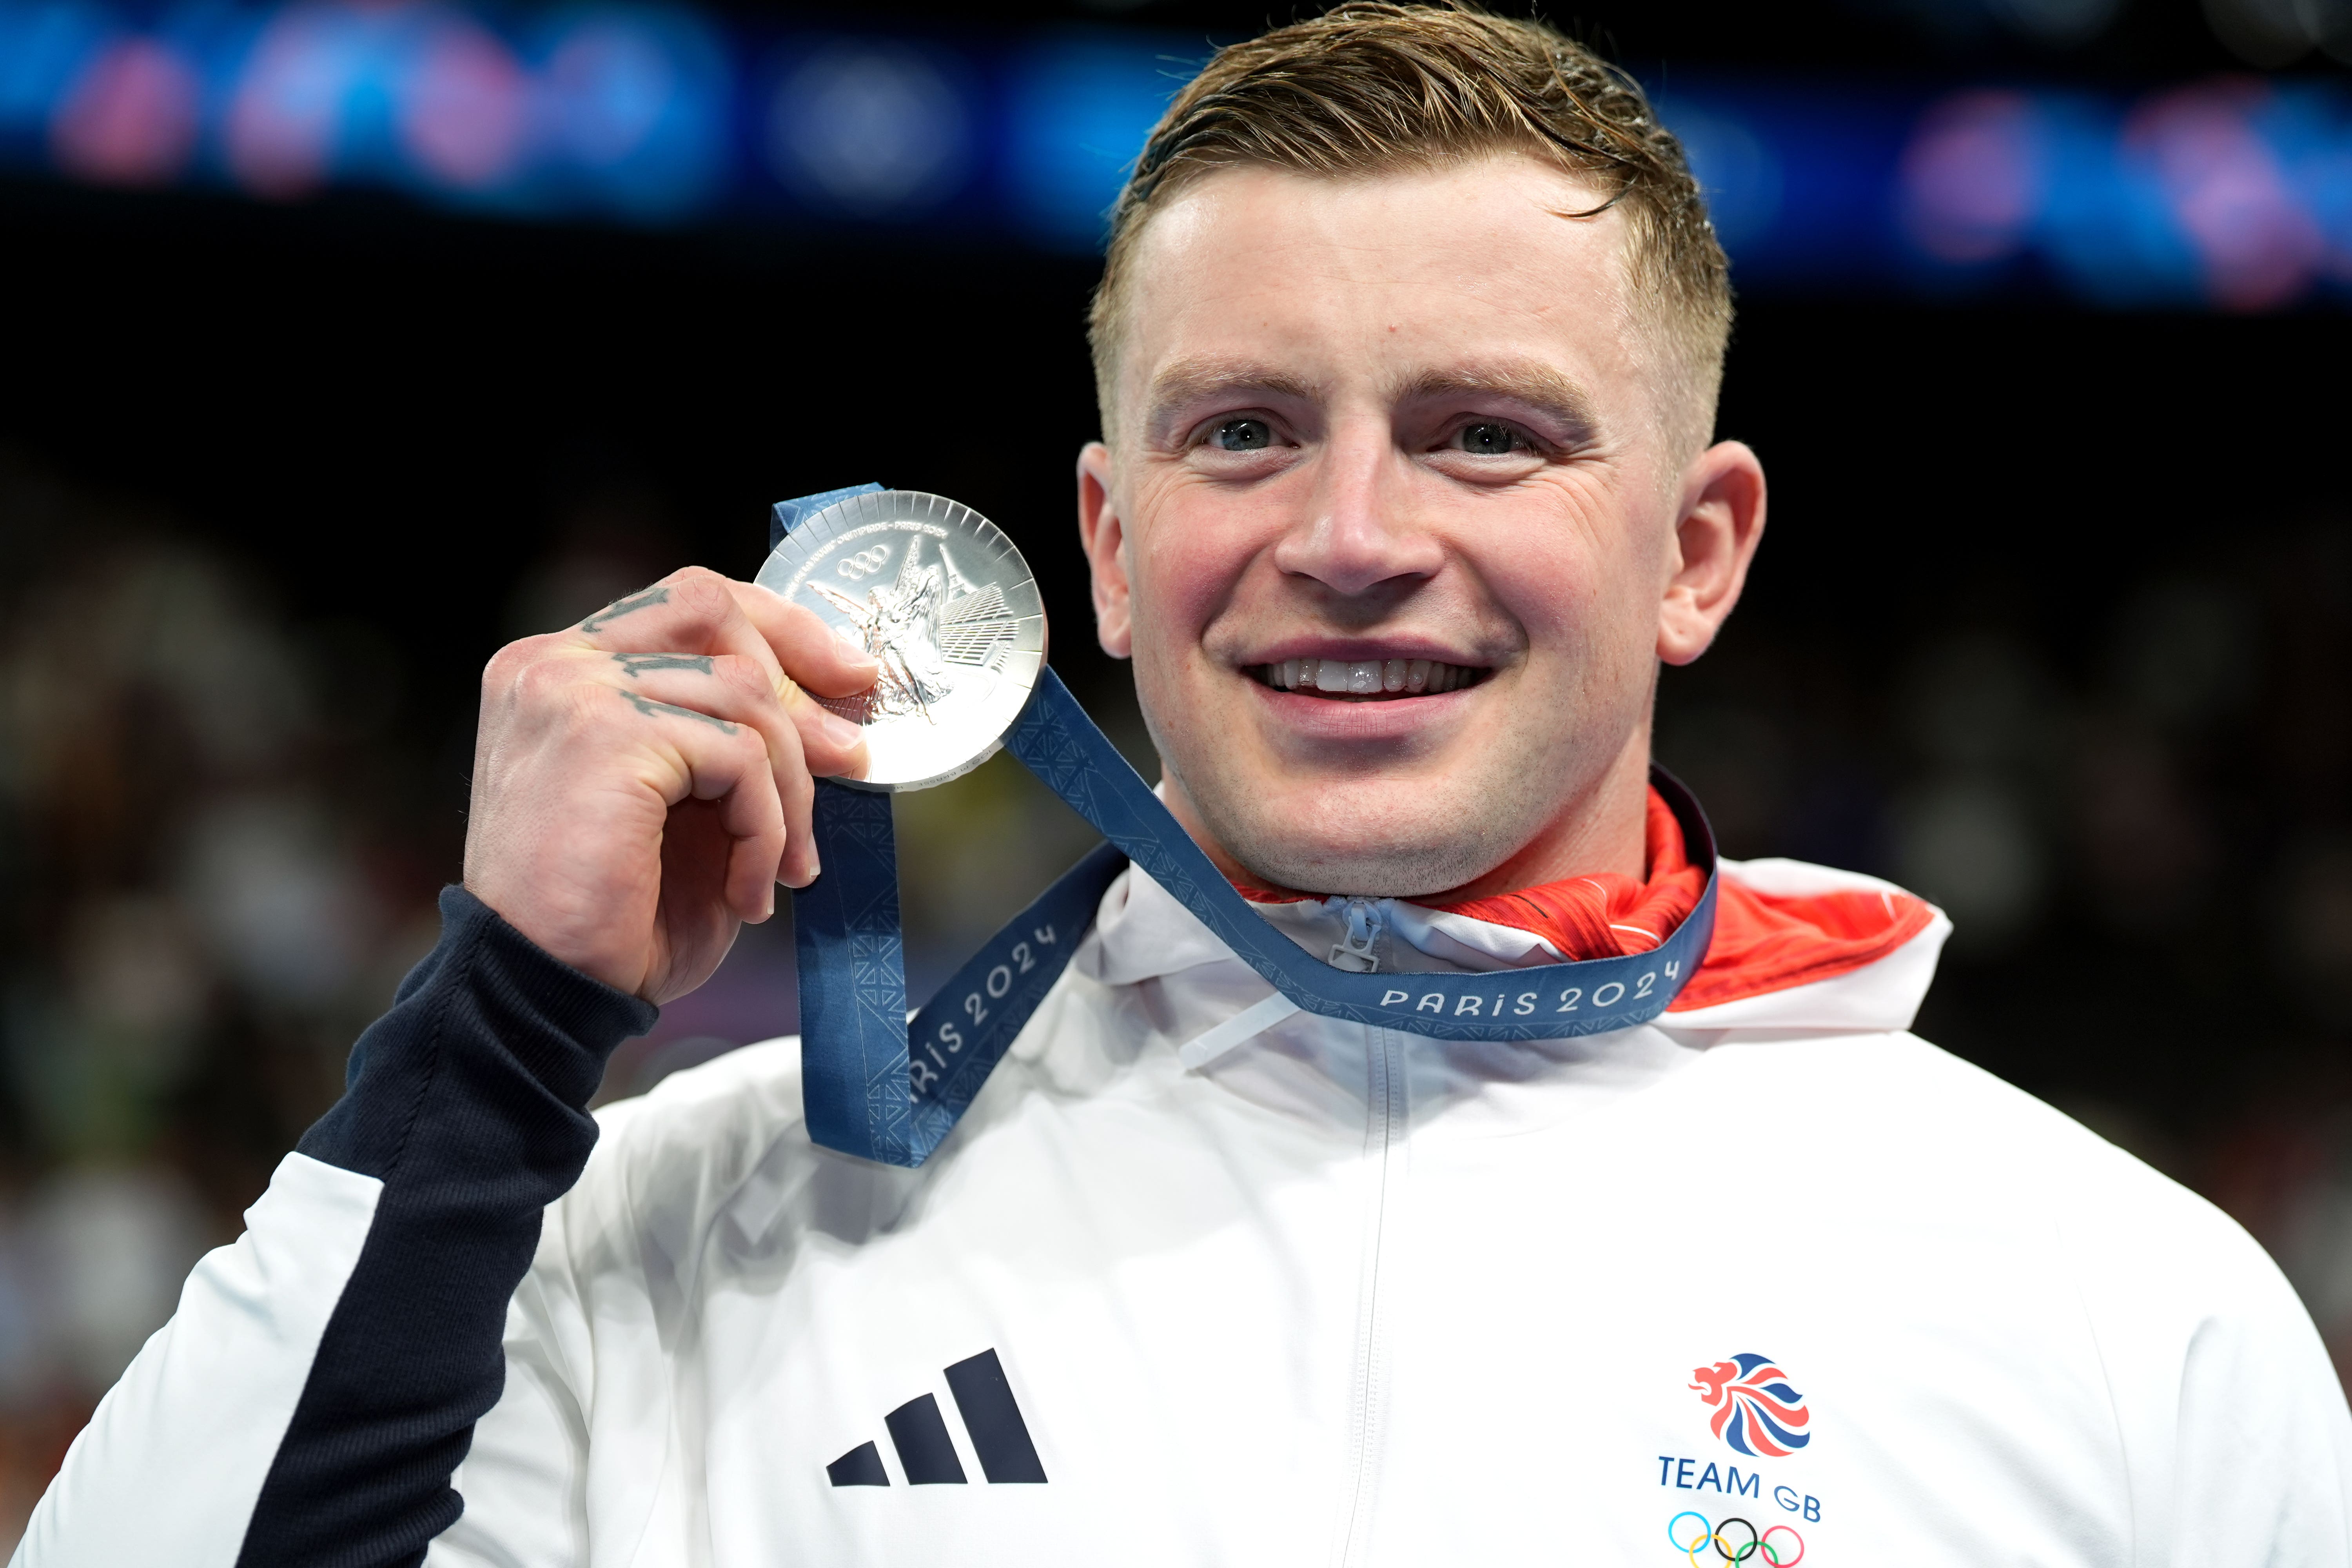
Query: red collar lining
{"x": 1763, "y": 943}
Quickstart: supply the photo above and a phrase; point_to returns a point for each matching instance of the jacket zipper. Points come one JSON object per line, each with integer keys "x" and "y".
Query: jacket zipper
{"x": 1359, "y": 945}
{"x": 1385, "y": 1128}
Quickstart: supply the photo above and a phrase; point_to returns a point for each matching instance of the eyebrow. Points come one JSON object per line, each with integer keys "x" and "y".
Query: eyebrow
{"x": 1190, "y": 381}
{"x": 1532, "y": 384}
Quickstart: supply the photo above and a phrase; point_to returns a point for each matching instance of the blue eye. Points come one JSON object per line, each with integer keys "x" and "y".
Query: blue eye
{"x": 1490, "y": 440}
{"x": 1241, "y": 435}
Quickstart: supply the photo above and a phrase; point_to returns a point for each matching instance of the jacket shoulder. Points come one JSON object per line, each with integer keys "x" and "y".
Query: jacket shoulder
{"x": 1957, "y": 1139}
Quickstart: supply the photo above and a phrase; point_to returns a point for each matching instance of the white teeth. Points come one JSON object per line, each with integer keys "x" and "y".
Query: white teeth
{"x": 1367, "y": 677}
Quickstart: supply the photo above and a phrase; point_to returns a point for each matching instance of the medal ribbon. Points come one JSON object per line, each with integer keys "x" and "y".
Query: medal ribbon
{"x": 877, "y": 1085}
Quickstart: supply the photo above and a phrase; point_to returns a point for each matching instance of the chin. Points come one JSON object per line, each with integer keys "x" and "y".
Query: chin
{"x": 1418, "y": 827}
{"x": 1370, "y": 864}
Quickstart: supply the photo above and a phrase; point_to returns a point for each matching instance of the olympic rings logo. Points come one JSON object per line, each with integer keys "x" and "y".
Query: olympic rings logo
{"x": 1735, "y": 1541}
{"x": 865, "y": 563}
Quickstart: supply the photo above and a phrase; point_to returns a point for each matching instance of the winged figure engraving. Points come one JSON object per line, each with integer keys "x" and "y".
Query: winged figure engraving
{"x": 929, "y": 618}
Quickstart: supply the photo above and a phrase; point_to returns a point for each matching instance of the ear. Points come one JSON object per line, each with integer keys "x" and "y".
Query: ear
{"x": 1720, "y": 523}
{"x": 1103, "y": 534}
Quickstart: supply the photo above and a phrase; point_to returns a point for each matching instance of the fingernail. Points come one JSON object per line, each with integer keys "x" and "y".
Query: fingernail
{"x": 853, "y": 650}
{"x": 838, "y": 730}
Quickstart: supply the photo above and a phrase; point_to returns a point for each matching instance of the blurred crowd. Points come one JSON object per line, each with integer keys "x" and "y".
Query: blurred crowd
{"x": 209, "y": 881}
{"x": 224, "y": 814}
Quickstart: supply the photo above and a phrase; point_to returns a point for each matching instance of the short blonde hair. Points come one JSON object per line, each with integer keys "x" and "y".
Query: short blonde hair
{"x": 1369, "y": 88}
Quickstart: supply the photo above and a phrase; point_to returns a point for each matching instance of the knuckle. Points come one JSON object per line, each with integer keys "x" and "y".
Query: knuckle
{"x": 506, "y": 664}
{"x": 742, "y": 676}
{"x": 799, "y": 784}
{"x": 543, "y": 682}
{"x": 701, "y": 592}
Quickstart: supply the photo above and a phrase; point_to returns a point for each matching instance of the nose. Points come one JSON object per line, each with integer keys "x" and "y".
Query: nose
{"x": 1358, "y": 534}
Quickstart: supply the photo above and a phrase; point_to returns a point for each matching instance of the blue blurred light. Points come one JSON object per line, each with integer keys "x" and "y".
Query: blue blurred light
{"x": 638, "y": 112}
{"x": 872, "y": 129}
{"x": 43, "y": 50}
{"x": 309, "y": 102}
{"x": 2234, "y": 195}
{"x": 1078, "y": 108}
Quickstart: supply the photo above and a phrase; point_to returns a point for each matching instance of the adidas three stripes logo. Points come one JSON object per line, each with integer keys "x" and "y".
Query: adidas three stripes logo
{"x": 992, "y": 1418}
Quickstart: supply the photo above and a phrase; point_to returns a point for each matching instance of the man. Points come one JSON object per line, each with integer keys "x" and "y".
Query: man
{"x": 1408, "y": 345}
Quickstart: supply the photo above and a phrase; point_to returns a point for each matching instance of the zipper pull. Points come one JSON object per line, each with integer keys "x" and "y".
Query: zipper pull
{"x": 1355, "y": 948}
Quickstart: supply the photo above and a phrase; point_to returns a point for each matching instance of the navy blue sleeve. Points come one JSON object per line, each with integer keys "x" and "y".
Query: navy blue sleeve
{"x": 469, "y": 1102}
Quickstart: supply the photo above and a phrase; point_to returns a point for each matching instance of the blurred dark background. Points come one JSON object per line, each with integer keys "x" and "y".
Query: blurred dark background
{"x": 2054, "y": 623}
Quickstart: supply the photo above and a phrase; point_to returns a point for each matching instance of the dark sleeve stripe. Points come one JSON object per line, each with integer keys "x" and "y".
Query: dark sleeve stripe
{"x": 468, "y": 1100}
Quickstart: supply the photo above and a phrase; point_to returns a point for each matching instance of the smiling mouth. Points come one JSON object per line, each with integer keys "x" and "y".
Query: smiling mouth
{"x": 1366, "y": 680}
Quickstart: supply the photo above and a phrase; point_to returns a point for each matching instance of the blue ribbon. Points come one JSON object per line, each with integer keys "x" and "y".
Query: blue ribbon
{"x": 877, "y": 1085}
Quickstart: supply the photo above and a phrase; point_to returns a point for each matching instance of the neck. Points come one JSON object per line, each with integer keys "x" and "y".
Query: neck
{"x": 1599, "y": 830}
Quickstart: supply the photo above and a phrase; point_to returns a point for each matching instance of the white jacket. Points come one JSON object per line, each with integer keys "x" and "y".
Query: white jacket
{"x": 1351, "y": 1297}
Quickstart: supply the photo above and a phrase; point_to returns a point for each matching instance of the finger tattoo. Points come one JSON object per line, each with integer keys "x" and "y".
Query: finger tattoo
{"x": 649, "y": 708}
{"x": 635, "y": 664}
{"x": 619, "y": 607}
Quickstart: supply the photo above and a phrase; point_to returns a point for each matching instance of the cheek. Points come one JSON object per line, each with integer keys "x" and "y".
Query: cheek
{"x": 1584, "y": 595}
{"x": 1189, "y": 567}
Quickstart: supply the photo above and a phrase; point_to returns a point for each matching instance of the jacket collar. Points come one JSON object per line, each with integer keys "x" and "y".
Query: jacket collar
{"x": 1797, "y": 947}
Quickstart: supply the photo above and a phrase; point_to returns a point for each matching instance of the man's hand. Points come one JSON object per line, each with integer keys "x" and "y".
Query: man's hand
{"x": 644, "y": 780}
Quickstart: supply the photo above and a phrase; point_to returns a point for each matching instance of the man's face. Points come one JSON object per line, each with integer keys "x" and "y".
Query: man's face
{"x": 1366, "y": 424}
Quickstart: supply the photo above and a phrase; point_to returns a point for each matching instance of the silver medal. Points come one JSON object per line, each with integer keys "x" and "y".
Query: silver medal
{"x": 941, "y": 596}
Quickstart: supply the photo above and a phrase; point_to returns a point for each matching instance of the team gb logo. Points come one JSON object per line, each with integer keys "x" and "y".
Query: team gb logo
{"x": 1756, "y": 1411}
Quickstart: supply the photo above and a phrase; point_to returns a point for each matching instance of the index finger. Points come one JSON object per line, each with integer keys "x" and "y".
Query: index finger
{"x": 691, "y": 611}
{"x": 809, "y": 650}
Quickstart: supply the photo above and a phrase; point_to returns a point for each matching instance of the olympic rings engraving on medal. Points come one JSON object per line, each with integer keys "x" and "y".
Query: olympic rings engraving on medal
{"x": 865, "y": 563}
{"x": 1729, "y": 1545}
